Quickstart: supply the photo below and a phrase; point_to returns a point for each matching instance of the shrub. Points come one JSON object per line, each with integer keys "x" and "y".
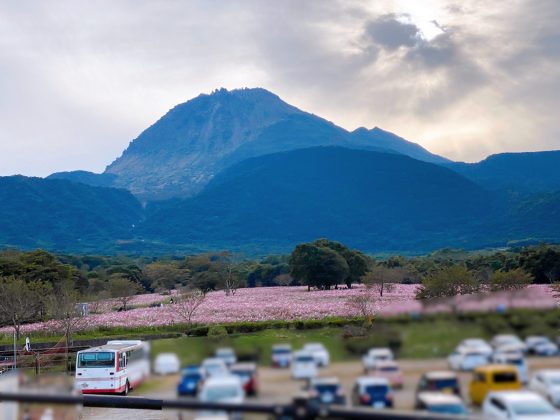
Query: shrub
{"x": 379, "y": 336}
{"x": 217, "y": 332}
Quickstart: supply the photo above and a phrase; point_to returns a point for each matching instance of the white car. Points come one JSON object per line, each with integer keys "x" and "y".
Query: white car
{"x": 466, "y": 359}
{"x": 477, "y": 344}
{"x": 510, "y": 340}
{"x": 518, "y": 405}
{"x": 304, "y": 365}
{"x": 221, "y": 389}
{"x": 547, "y": 383}
{"x": 516, "y": 360}
{"x": 281, "y": 355}
{"x": 227, "y": 355}
{"x": 214, "y": 367}
{"x": 166, "y": 364}
{"x": 375, "y": 355}
{"x": 541, "y": 345}
{"x": 319, "y": 353}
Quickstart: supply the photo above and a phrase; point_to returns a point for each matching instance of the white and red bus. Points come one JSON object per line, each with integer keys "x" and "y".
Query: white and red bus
{"x": 115, "y": 368}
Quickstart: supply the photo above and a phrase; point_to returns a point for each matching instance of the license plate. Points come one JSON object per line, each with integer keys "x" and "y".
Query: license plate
{"x": 379, "y": 404}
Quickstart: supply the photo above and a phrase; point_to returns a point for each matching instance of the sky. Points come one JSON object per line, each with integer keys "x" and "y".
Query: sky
{"x": 79, "y": 79}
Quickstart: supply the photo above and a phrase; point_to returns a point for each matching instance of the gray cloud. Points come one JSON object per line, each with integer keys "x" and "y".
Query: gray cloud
{"x": 390, "y": 33}
{"x": 79, "y": 79}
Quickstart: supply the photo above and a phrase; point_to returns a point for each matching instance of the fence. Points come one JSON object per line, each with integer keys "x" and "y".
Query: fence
{"x": 299, "y": 409}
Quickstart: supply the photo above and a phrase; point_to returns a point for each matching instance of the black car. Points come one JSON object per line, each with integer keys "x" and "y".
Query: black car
{"x": 326, "y": 391}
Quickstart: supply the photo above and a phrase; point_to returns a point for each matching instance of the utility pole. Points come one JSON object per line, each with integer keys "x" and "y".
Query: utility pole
{"x": 15, "y": 351}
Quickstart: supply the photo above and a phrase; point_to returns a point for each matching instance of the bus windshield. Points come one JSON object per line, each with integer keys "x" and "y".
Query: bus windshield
{"x": 96, "y": 360}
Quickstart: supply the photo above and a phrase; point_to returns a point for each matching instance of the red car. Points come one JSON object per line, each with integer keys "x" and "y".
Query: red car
{"x": 390, "y": 370}
{"x": 247, "y": 372}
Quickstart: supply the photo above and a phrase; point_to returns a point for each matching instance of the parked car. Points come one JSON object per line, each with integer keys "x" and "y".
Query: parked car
{"x": 247, "y": 372}
{"x": 466, "y": 359}
{"x": 492, "y": 378}
{"x": 227, "y": 355}
{"x": 439, "y": 381}
{"x": 214, "y": 367}
{"x": 304, "y": 365}
{"x": 389, "y": 369}
{"x": 319, "y": 353}
{"x": 373, "y": 392}
{"x": 166, "y": 364}
{"x": 516, "y": 360}
{"x": 547, "y": 383}
{"x": 191, "y": 380}
{"x": 326, "y": 391}
{"x": 441, "y": 403}
{"x": 281, "y": 355}
{"x": 375, "y": 355}
{"x": 221, "y": 389}
{"x": 509, "y": 340}
{"x": 541, "y": 346}
{"x": 476, "y": 344}
{"x": 518, "y": 405}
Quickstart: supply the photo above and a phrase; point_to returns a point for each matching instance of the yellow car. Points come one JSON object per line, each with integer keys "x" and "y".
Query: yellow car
{"x": 492, "y": 378}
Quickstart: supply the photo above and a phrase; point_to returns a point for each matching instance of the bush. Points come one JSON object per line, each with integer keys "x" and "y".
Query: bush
{"x": 217, "y": 332}
{"x": 379, "y": 336}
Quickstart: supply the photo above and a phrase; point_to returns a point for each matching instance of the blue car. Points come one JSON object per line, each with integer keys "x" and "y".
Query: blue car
{"x": 191, "y": 380}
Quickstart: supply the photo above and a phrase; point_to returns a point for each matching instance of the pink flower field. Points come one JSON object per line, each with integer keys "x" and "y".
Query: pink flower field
{"x": 292, "y": 303}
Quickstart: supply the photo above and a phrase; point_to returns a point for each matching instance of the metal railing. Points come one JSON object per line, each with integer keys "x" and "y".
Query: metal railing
{"x": 300, "y": 408}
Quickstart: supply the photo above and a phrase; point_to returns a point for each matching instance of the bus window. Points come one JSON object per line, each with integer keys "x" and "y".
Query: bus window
{"x": 96, "y": 360}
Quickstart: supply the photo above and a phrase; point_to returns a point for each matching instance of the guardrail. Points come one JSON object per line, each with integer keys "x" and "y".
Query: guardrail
{"x": 300, "y": 408}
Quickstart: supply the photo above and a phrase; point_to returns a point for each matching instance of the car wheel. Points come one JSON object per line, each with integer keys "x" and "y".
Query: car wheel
{"x": 126, "y": 389}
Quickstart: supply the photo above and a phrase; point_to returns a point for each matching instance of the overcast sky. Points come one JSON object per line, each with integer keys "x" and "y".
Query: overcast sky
{"x": 80, "y": 79}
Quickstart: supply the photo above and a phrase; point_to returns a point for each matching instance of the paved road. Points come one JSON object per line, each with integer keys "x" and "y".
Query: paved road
{"x": 277, "y": 386}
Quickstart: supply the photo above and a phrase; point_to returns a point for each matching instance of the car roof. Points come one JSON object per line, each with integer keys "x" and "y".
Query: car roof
{"x": 496, "y": 367}
{"x": 166, "y": 356}
{"x": 439, "y": 398}
{"x": 380, "y": 350}
{"x": 548, "y": 372}
{"x": 212, "y": 360}
{"x": 300, "y": 353}
{"x": 244, "y": 366}
{"x": 386, "y": 363}
{"x": 222, "y": 380}
{"x": 440, "y": 374}
{"x": 224, "y": 350}
{"x": 325, "y": 381}
{"x": 372, "y": 380}
{"x": 509, "y": 396}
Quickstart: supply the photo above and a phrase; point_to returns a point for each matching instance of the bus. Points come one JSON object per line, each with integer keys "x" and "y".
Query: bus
{"x": 114, "y": 368}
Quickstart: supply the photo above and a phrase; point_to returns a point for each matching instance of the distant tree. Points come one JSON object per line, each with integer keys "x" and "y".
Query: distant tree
{"x": 382, "y": 279}
{"x": 363, "y": 305}
{"x": 283, "y": 280}
{"x": 64, "y": 309}
{"x": 187, "y": 303}
{"x": 448, "y": 283}
{"x": 21, "y": 301}
{"x": 512, "y": 281}
{"x": 357, "y": 262}
{"x": 123, "y": 290}
{"x": 543, "y": 262}
{"x": 318, "y": 266}
{"x": 165, "y": 276}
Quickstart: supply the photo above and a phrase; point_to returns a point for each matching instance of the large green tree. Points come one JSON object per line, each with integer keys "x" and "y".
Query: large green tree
{"x": 448, "y": 283}
{"x": 318, "y": 266}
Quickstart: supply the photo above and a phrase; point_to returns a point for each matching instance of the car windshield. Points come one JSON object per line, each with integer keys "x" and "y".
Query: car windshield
{"x": 281, "y": 351}
{"x": 224, "y": 353}
{"x": 516, "y": 361}
{"x": 448, "y": 409}
{"x": 439, "y": 384}
{"x": 502, "y": 377}
{"x": 554, "y": 380}
{"x": 532, "y": 408}
{"x": 304, "y": 359}
{"x": 324, "y": 388}
{"x": 96, "y": 360}
{"x": 214, "y": 368}
{"x": 191, "y": 376}
{"x": 389, "y": 369}
{"x": 377, "y": 389}
{"x": 219, "y": 393}
{"x": 244, "y": 374}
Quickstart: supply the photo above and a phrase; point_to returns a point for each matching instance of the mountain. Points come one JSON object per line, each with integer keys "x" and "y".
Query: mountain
{"x": 370, "y": 200}
{"x": 525, "y": 172}
{"x": 63, "y": 215}
{"x": 85, "y": 177}
{"x": 385, "y": 140}
{"x": 179, "y": 154}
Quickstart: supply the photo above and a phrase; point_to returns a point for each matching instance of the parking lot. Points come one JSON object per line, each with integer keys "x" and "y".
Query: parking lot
{"x": 277, "y": 386}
